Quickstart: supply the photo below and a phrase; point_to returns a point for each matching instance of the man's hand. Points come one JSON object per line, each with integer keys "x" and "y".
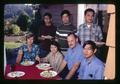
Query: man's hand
{"x": 62, "y": 66}
{"x": 72, "y": 71}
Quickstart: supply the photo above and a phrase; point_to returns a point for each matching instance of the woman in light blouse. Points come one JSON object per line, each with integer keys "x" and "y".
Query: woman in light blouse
{"x": 55, "y": 57}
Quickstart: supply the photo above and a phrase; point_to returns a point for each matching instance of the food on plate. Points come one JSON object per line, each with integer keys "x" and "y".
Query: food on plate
{"x": 16, "y": 74}
{"x": 43, "y": 66}
{"x": 48, "y": 74}
{"x": 27, "y": 63}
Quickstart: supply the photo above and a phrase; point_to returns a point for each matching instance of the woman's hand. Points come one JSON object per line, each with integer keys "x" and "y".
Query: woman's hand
{"x": 37, "y": 58}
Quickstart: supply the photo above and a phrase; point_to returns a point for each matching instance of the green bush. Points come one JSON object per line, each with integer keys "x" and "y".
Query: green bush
{"x": 11, "y": 45}
{"x": 23, "y": 21}
{"x": 15, "y": 29}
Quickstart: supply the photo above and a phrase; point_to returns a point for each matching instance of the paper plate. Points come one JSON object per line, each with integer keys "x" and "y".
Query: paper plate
{"x": 48, "y": 74}
{"x": 43, "y": 66}
{"x": 27, "y": 63}
{"x": 16, "y": 74}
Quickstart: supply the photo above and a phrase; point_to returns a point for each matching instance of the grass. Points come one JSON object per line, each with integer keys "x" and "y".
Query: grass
{"x": 10, "y": 45}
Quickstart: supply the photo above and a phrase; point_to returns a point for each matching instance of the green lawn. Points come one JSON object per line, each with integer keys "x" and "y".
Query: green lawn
{"x": 11, "y": 45}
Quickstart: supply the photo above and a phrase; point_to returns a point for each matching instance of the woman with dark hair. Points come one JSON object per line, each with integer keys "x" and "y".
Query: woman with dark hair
{"x": 55, "y": 57}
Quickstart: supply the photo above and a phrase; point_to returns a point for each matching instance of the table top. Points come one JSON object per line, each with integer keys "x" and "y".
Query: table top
{"x": 31, "y": 72}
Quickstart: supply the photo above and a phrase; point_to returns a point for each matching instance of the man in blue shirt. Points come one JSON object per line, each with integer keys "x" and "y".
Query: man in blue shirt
{"x": 91, "y": 67}
{"x": 73, "y": 57}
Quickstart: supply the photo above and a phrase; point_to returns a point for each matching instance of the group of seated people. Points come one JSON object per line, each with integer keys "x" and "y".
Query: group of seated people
{"x": 79, "y": 63}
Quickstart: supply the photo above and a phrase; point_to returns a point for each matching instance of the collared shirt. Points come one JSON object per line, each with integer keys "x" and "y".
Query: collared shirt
{"x": 93, "y": 33}
{"x": 29, "y": 55}
{"x": 62, "y": 33}
{"x": 91, "y": 69}
{"x": 74, "y": 55}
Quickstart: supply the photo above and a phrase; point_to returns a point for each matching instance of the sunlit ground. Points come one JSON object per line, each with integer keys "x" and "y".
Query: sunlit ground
{"x": 10, "y": 45}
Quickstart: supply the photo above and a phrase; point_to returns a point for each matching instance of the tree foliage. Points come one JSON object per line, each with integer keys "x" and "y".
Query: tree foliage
{"x": 23, "y": 21}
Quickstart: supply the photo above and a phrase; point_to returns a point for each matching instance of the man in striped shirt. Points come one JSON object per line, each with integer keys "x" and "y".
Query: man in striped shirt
{"x": 64, "y": 30}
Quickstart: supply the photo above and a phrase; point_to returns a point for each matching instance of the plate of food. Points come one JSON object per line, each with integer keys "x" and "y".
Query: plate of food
{"x": 16, "y": 74}
{"x": 43, "y": 66}
{"x": 27, "y": 63}
{"x": 48, "y": 74}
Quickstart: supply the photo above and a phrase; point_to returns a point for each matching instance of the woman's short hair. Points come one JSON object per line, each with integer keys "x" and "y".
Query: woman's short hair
{"x": 55, "y": 44}
{"x": 29, "y": 35}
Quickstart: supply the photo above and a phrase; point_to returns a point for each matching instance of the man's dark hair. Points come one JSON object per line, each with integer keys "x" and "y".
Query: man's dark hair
{"x": 65, "y": 12}
{"x": 72, "y": 33}
{"x": 89, "y": 10}
{"x": 48, "y": 14}
{"x": 89, "y": 42}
